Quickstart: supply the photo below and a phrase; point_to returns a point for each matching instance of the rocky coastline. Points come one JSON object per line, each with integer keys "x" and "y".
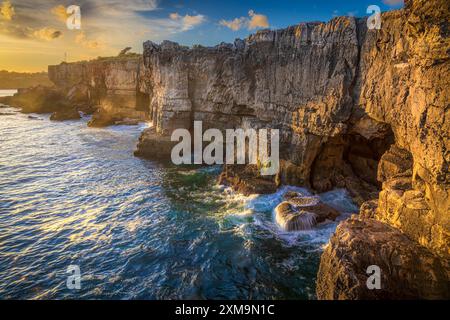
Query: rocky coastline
{"x": 366, "y": 110}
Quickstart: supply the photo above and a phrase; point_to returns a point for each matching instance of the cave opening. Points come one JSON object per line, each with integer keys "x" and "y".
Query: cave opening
{"x": 351, "y": 161}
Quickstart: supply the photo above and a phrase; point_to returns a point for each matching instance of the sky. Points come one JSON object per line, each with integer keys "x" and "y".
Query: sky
{"x": 34, "y": 33}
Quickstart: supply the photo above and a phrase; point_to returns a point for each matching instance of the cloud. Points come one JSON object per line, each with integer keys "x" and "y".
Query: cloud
{"x": 187, "y": 22}
{"x": 254, "y": 21}
{"x": 257, "y": 21}
{"x": 393, "y": 2}
{"x": 235, "y": 24}
{"x": 87, "y": 43}
{"x": 47, "y": 33}
{"x": 60, "y": 12}
{"x": 7, "y": 10}
{"x": 24, "y": 32}
{"x": 16, "y": 31}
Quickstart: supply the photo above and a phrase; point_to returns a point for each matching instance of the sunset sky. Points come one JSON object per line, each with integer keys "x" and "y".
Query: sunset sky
{"x": 33, "y": 33}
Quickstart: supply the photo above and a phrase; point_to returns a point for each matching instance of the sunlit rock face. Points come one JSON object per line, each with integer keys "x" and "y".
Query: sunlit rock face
{"x": 108, "y": 87}
{"x": 299, "y": 80}
{"x": 407, "y": 269}
{"x": 403, "y": 81}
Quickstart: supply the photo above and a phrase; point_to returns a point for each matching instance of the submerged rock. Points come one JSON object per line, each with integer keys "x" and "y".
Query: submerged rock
{"x": 34, "y": 118}
{"x": 298, "y": 213}
{"x": 315, "y": 82}
{"x": 127, "y": 122}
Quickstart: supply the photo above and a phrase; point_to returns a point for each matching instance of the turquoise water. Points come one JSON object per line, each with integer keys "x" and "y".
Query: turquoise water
{"x": 73, "y": 195}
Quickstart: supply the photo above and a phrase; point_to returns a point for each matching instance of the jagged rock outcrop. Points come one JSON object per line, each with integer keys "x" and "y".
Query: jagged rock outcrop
{"x": 403, "y": 81}
{"x": 357, "y": 108}
{"x": 282, "y": 79}
{"x": 108, "y": 87}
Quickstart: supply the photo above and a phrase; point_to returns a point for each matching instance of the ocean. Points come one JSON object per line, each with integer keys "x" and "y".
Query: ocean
{"x": 138, "y": 229}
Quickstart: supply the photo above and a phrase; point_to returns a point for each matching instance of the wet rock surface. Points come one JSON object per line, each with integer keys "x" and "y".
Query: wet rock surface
{"x": 67, "y": 114}
{"x": 247, "y": 180}
{"x": 297, "y": 212}
{"x": 151, "y": 145}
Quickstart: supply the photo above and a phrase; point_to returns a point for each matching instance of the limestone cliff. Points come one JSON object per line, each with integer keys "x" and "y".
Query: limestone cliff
{"x": 403, "y": 81}
{"x": 108, "y": 86}
{"x": 357, "y": 108}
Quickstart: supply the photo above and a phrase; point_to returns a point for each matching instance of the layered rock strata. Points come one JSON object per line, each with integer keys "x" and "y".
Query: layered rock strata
{"x": 110, "y": 88}
{"x": 403, "y": 81}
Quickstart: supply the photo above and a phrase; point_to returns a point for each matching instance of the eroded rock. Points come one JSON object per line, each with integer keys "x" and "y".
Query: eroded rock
{"x": 65, "y": 114}
{"x": 153, "y": 146}
{"x": 408, "y": 270}
{"x": 298, "y": 212}
{"x": 247, "y": 180}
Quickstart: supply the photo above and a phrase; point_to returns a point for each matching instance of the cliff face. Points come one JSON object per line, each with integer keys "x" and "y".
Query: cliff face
{"x": 403, "y": 81}
{"x": 110, "y": 85}
{"x": 357, "y": 108}
{"x": 299, "y": 80}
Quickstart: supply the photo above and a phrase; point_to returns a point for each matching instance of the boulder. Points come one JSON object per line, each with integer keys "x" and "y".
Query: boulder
{"x": 407, "y": 269}
{"x": 298, "y": 213}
